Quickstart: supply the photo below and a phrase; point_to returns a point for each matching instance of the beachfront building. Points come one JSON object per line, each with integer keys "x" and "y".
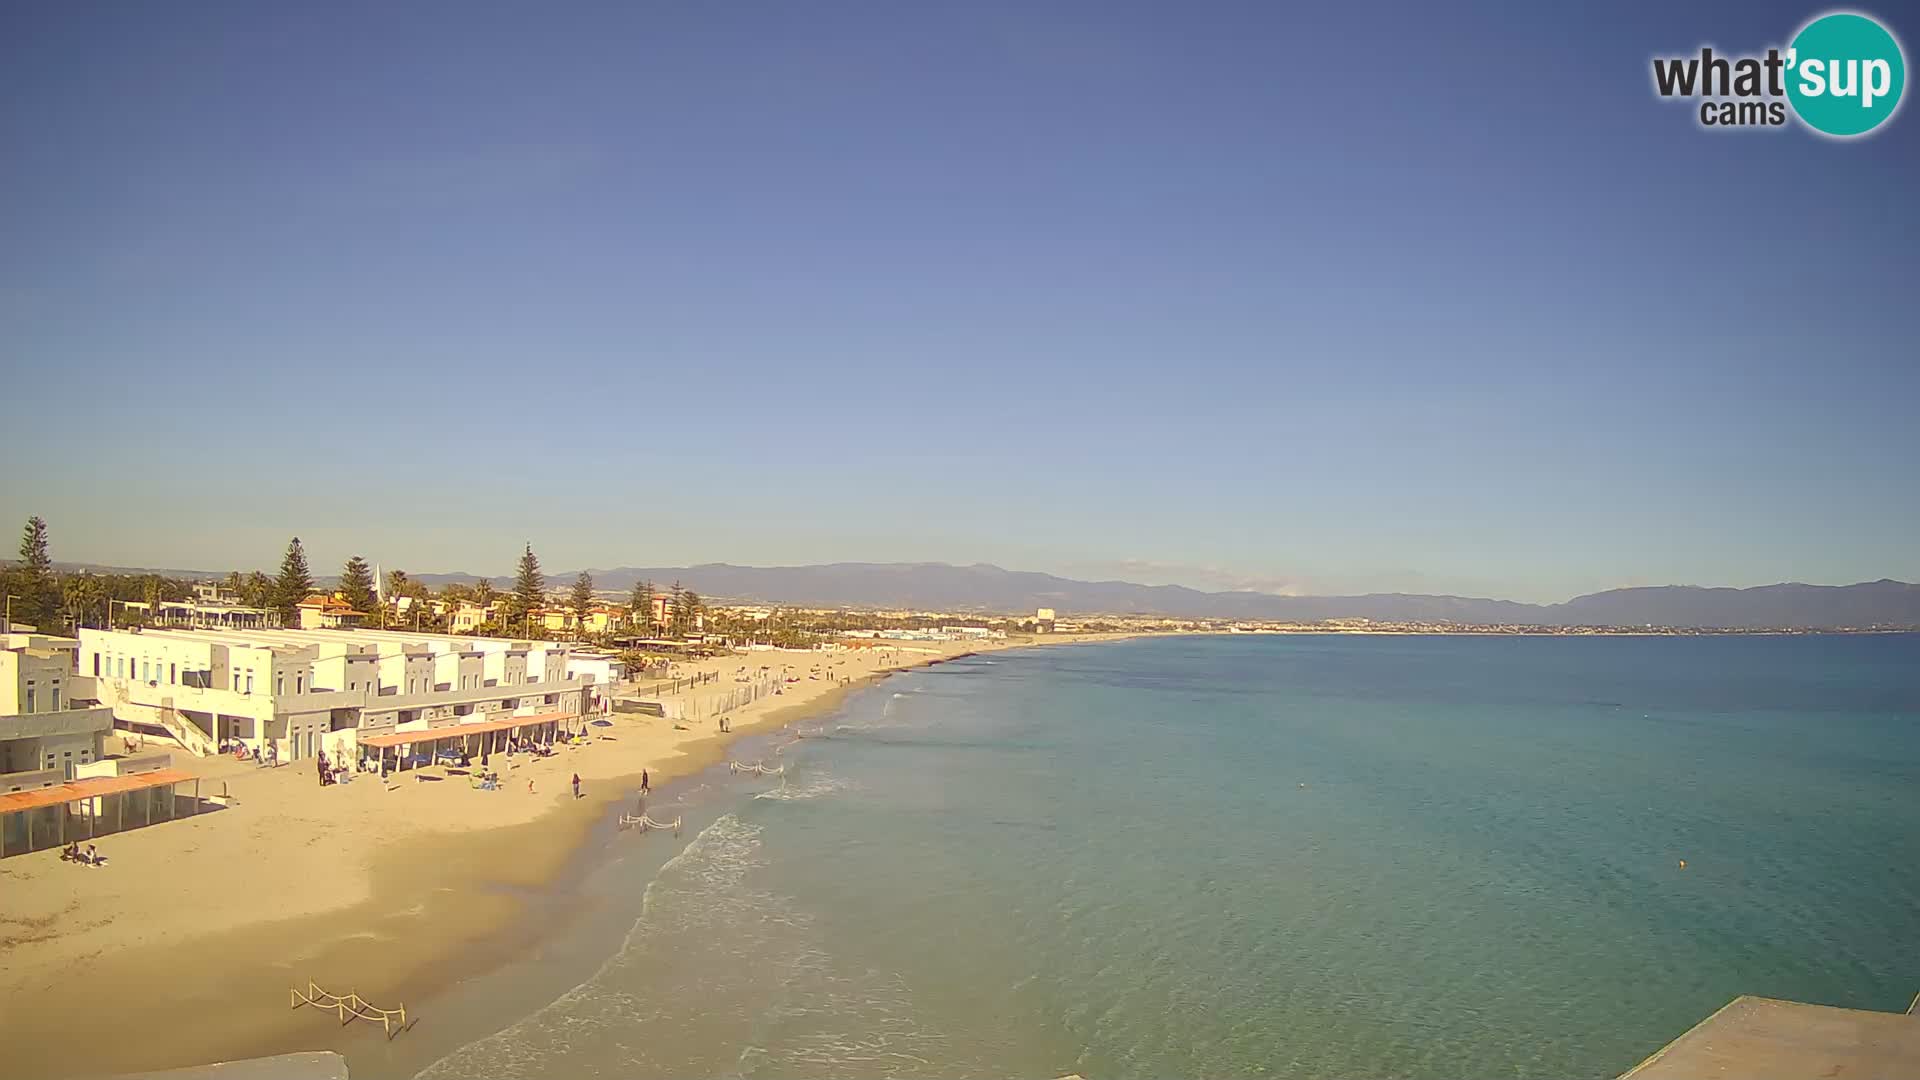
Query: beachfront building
{"x": 1043, "y": 620}
{"x": 328, "y": 613}
{"x": 49, "y": 725}
{"x": 302, "y": 692}
{"x": 468, "y": 618}
{"x": 599, "y": 620}
{"x": 600, "y": 668}
{"x": 605, "y": 620}
{"x": 214, "y": 614}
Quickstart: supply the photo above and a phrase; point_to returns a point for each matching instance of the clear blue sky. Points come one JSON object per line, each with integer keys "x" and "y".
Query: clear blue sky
{"x": 1368, "y": 297}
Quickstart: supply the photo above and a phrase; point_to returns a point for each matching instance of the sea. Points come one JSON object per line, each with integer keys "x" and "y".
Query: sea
{"x": 1269, "y": 856}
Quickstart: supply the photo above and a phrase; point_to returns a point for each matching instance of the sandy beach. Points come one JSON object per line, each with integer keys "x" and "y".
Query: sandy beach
{"x": 185, "y": 944}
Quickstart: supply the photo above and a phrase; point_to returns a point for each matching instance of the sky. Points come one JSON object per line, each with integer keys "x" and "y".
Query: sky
{"x": 1362, "y": 297}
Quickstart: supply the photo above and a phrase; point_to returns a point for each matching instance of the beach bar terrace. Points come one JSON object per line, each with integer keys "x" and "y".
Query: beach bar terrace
{"x": 475, "y": 740}
{"x": 80, "y": 810}
{"x": 1756, "y": 1038}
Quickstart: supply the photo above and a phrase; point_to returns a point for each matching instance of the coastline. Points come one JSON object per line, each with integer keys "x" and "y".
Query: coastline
{"x": 442, "y": 880}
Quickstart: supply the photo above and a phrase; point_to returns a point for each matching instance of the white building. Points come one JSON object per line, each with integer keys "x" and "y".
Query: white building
{"x": 300, "y": 692}
{"x": 49, "y": 726}
{"x": 600, "y": 668}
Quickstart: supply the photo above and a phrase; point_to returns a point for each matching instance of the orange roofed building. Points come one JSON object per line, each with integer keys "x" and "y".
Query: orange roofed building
{"x": 328, "y": 613}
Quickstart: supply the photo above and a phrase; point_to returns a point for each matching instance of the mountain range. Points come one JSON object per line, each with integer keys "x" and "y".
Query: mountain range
{"x": 991, "y": 589}
{"x": 986, "y": 588}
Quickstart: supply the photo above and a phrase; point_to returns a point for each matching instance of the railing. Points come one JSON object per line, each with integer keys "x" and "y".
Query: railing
{"x": 351, "y": 1007}
{"x": 164, "y": 716}
{"x": 187, "y": 732}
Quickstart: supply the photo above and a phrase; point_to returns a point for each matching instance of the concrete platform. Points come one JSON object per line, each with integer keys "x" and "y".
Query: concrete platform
{"x": 1755, "y": 1038}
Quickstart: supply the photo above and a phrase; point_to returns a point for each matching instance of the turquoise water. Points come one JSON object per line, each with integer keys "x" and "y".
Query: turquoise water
{"x": 1294, "y": 856}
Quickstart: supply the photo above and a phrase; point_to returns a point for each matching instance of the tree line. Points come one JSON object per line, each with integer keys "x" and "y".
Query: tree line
{"x": 35, "y": 593}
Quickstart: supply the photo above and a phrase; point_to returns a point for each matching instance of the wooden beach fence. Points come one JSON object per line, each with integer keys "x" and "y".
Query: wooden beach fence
{"x": 351, "y": 1007}
{"x": 643, "y": 823}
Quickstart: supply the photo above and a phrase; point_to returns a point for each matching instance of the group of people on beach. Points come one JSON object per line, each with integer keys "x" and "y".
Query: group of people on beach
{"x": 267, "y": 758}
{"x": 90, "y": 857}
{"x": 332, "y": 774}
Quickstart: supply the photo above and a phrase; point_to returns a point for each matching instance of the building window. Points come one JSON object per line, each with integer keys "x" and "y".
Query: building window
{"x": 31, "y": 694}
{"x": 300, "y": 682}
{"x": 249, "y": 682}
{"x": 56, "y": 699}
{"x": 173, "y": 673}
{"x": 96, "y": 665}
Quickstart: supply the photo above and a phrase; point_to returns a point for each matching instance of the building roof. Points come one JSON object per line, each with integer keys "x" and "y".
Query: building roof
{"x": 91, "y": 788}
{"x": 329, "y": 605}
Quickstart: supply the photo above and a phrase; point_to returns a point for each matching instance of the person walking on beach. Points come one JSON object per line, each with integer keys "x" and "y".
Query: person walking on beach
{"x": 645, "y": 787}
{"x": 576, "y": 785}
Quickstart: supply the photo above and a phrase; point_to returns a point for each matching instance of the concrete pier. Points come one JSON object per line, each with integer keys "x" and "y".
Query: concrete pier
{"x": 1756, "y": 1038}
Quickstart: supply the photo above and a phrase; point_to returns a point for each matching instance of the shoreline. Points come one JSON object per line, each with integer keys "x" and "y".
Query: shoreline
{"x": 427, "y": 906}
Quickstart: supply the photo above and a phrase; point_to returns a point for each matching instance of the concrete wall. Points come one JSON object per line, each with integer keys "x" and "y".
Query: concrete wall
{"x": 63, "y": 750}
{"x": 34, "y": 680}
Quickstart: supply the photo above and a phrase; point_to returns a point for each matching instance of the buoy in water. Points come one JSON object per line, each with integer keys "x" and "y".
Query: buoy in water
{"x": 1683, "y": 864}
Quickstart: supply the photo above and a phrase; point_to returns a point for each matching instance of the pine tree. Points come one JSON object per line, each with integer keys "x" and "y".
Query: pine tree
{"x": 689, "y": 612}
{"x": 676, "y": 604}
{"x": 642, "y": 605}
{"x": 529, "y": 588}
{"x": 581, "y": 599}
{"x": 33, "y": 583}
{"x": 293, "y": 585}
{"x": 356, "y": 585}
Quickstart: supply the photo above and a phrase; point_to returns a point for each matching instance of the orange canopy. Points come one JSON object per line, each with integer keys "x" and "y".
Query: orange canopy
{"x": 454, "y": 731}
{"x": 90, "y": 788}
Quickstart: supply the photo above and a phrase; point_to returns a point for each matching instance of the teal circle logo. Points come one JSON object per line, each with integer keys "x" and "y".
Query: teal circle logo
{"x": 1845, "y": 73}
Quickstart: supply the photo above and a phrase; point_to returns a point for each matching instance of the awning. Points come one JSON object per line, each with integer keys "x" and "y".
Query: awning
{"x": 455, "y": 731}
{"x": 90, "y": 788}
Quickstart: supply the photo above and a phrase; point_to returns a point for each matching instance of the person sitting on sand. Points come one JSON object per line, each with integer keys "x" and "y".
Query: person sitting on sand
{"x": 93, "y": 856}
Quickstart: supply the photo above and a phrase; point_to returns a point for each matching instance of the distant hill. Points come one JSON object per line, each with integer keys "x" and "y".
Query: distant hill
{"x": 986, "y": 588}
{"x": 990, "y": 589}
